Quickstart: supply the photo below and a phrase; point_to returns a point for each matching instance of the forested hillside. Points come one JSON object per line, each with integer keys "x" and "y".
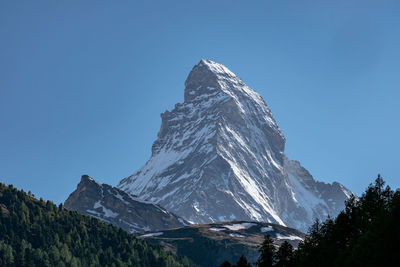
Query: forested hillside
{"x": 366, "y": 233}
{"x": 38, "y": 233}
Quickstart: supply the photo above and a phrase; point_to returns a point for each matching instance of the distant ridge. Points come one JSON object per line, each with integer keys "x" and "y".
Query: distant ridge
{"x": 119, "y": 208}
{"x": 38, "y": 233}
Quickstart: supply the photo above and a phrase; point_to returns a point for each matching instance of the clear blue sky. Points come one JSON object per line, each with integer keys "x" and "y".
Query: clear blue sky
{"x": 83, "y": 83}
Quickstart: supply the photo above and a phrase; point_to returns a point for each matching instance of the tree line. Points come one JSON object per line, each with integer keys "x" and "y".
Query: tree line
{"x": 38, "y": 233}
{"x": 365, "y": 233}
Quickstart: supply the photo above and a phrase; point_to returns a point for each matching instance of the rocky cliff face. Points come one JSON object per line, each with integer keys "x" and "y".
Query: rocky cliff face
{"x": 119, "y": 208}
{"x": 316, "y": 199}
{"x": 220, "y": 156}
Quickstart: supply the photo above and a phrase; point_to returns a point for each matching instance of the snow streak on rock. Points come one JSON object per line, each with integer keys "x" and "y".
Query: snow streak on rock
{"x": 219, "y": 156}
{"x": 116, "y": 207}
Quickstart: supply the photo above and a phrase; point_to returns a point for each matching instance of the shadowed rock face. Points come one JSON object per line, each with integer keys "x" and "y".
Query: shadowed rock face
{"x": 219, "y": 156}
{"x": 119, "y": 208}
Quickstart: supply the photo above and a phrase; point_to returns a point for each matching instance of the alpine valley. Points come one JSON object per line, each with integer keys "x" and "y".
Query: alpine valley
{"x": 218, "y": 187}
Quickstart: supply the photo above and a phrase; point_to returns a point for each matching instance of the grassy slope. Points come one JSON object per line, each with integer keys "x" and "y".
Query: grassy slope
{"x": 207, "y": 247}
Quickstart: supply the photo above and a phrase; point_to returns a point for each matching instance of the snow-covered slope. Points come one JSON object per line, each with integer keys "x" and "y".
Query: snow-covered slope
{"x": 220, "y": 156}
{"x": 119, "y": 208}
{"x": 317, "y": 199}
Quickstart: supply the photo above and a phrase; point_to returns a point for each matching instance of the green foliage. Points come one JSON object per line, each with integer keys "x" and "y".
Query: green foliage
{"x": 38, "y": 233}
{"x": 366, "y": 233}
{"x": 267, "y": 252}
{"x": 242, "y": 262}
{"x": 284, "y": 257}
{"x": 226, "y": 264}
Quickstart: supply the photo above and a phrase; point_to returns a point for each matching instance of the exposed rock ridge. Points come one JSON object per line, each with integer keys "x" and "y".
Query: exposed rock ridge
{"x": 220, "y": 156}
{"x": 119, "y": 208}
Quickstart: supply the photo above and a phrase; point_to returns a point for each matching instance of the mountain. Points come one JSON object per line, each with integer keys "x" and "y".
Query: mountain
{"x": 38, "y": 233}
{"x": 119, "y": 208}
{"x": 317, "y": 199}
{"x": 219, "y": 156}
{"x": 366, "y": 233}
{"x": 212, "y": 244}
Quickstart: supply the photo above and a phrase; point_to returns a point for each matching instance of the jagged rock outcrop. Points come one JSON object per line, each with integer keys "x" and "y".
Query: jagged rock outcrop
{"x": 317, "y": 199}
{"x": 119, "y": 208}
{"x": 219, "y": 156}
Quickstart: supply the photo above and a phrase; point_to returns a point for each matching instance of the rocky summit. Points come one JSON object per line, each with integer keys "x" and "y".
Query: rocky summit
{"x": 119, "y": 208}
{"x": 219, "y": 156}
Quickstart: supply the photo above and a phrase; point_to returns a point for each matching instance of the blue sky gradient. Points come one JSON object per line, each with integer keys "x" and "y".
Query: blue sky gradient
{"x": 83, "y": 83}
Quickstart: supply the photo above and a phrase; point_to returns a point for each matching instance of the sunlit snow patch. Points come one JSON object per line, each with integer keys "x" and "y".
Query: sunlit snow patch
{"x": 267, "y": 229}
{"x": 216, "y": 229}
{"x": 152, "y": 234}
{"x": 107, "y": 212}
{"x": 182, "y": 221}
{"x": 236, "y": 235}
{"x": 239, "y": 226}
{"x": 290, "y": 237}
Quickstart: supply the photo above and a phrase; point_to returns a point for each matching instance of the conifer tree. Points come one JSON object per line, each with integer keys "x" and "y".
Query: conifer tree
{"x": 226, "y": 264}
{"x": 267, "y": 253}
{"x": 242, "y": 262}
{"x": 366, "y": 233}
{"x": 37, "y": 233}
{"x": 284, "y": 255}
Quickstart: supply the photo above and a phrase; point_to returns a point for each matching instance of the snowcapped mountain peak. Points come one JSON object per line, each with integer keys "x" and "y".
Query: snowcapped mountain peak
{"x": 220, "y": 156}
{"x": 217, "y": 68}
{"x": 209, "y": 80}
{"x": 206, "y": 78}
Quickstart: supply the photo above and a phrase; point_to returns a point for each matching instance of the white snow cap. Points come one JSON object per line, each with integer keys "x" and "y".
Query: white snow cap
{"x": 216, "y": 67}
{"x": 220, "y": 156}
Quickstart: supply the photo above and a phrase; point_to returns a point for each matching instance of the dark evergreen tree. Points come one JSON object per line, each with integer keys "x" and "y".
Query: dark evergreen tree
{"x": 267, "y": 253}
{"x": 38, "y": 233}
{"x": 242, "y": 262}
{"x": 366, "y": 233}
{"x": 226, "y": 264}
{"x": 284, "y": 256}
